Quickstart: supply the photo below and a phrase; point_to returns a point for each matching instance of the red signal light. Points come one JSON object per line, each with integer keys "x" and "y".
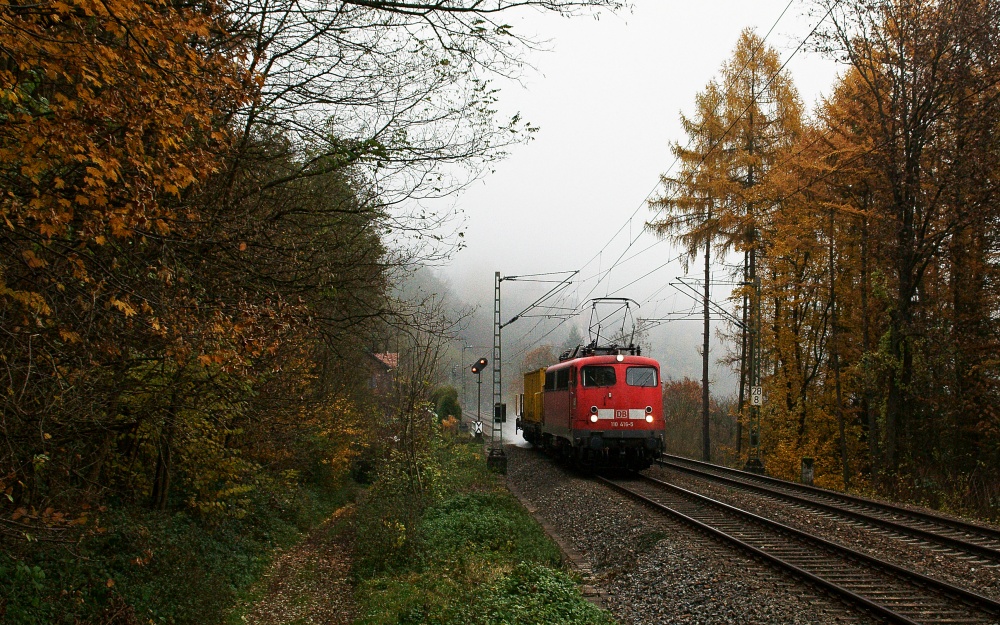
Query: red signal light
{"x": 479, "y": 365}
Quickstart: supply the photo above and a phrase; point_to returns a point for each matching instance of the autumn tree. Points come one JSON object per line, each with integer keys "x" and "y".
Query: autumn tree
{"x": 721, "y": 193}
{"x": 682, "y": 413}
{"x": 922, "y": 81}
{"x": 541, "y": 356}
{"x": 111, "y": 111}
{"x": 688, "y": 209}
{"x": 203, "y": 215}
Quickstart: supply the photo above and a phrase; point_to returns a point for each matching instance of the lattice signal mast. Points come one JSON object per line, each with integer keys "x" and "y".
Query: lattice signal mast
{"x": 497, "y": 459}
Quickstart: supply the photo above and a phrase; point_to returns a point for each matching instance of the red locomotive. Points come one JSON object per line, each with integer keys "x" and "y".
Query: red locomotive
{"x": 600, "y": 407}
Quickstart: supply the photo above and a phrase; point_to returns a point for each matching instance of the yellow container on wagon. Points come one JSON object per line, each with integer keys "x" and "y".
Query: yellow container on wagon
{"x": 534, "y": 384}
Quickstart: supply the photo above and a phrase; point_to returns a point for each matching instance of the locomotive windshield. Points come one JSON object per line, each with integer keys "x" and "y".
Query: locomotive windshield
{"x": 640, "y": 376}
{"x": 598, "y": 376}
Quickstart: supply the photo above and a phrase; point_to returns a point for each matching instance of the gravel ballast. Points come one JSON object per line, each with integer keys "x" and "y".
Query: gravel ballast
{"x": 651, "y": 569}
{"x": 975, "y": 574}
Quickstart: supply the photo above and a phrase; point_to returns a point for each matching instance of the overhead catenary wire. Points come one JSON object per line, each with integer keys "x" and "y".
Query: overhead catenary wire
{"x": 604, "y": 274}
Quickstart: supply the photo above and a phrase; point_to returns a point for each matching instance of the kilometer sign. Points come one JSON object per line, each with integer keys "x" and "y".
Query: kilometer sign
{"x": 756, "y": 396}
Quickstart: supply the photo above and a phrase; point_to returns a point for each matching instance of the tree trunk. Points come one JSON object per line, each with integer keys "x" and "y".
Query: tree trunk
{"x": 161, "y": 475}
{"x": 835, "y": 362}
{"x": 741, "y": 400}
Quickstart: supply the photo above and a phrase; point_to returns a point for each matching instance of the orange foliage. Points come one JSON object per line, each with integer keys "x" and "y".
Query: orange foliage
{"x": 112, "y": 109}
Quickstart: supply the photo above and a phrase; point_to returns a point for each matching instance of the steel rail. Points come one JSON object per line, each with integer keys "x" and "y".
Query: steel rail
{"x": 948, "y": 522}
{"x": 916, "y": 580}
{"x": 771, "y": 487}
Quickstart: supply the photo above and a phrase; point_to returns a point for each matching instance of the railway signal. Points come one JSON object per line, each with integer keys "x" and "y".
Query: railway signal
{"x": 477, "y": 368}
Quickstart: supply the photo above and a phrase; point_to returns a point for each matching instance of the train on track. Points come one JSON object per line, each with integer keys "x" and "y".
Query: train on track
{"x": 598, "y": 407}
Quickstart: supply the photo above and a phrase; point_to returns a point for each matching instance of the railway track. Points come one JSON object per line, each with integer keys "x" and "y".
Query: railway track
{"x": 934, "y": 531}
{"x": 893, "y": 593}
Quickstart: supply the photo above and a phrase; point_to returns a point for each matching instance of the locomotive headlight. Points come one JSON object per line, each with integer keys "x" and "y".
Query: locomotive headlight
{"x": 593, "y": 418}
{"x": 649, "y": 418}
{"x": 620, "y": 358}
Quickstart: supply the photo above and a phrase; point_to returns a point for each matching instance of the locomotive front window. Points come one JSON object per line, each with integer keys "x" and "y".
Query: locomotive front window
{"x": 598, "y": 376}
{"x": 640, "y": 376}
{"x": 550, "y": 380}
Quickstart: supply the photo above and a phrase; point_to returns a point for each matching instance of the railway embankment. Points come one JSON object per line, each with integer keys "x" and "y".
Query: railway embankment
{"x": 463, "y": 551}
{"x": 651, "y": 569}
{"x": 944, "y": 548}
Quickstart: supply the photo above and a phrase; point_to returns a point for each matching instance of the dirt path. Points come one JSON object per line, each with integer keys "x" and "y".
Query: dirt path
{"x": 309, "y": 583}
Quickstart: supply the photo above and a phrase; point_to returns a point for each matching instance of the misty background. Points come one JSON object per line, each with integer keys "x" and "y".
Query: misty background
{"x": 606, "y": 94}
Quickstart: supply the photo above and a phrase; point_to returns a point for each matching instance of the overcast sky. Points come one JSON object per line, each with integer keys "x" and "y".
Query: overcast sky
{"x": 607, "y": 97}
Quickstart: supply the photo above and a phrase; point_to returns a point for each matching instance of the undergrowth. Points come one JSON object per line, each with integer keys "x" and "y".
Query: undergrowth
{"x": 462, "y": 552}
{"x": 457, "y": 550}
{"x": 146, "y": 567}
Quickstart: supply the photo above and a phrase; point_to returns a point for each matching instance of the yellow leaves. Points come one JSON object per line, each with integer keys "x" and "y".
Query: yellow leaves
{"x": 123, "y": 306}
{"x": 214, "y": 358}
{"x": 33, "y": 261}
{"x": 69, "y": 336}
{"x": 118, "y": 226}
{"x": 145, "y": 135}
{"x": 49, "y": 517}
{"x": 79, "y": 269}
{"x": 33, "y": 302}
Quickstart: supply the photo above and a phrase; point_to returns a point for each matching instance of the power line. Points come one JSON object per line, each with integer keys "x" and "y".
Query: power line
{"x": 650, "y": 272}
{"x": 600, "y": 275}
{"x": 739, "y": 72}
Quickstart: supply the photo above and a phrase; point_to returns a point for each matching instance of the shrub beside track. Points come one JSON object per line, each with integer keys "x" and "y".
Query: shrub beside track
{"x": 475, "y": 555}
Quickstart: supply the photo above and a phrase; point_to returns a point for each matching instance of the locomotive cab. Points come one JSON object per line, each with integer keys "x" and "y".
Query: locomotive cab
{"x": 598, "y": 410}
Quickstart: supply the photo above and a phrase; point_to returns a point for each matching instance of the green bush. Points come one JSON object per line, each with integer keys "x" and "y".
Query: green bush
{"x": 387, "y": 519}
{"x": 445, "y": 400}
{"x": 533, "y": 594}
{"x": 464, "y": 552}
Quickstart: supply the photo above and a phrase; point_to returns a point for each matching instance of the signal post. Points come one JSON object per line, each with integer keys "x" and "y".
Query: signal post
{"x": 477, "y": 369}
